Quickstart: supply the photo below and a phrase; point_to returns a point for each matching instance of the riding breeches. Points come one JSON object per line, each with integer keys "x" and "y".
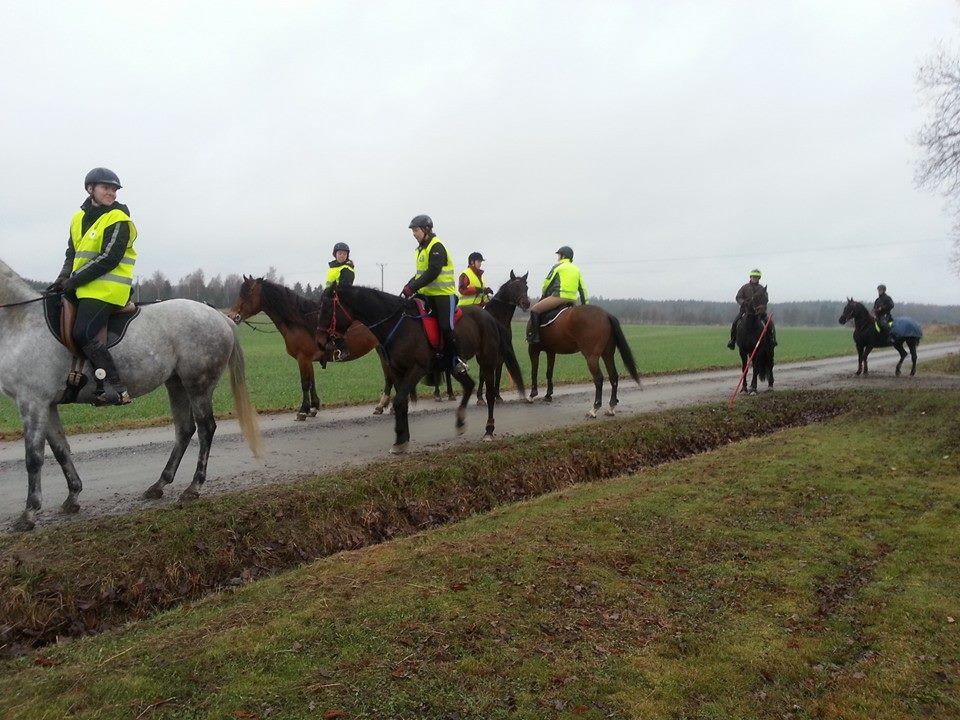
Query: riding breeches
{"x": 444, "y": 308}
{"x": 92, "y": 317}
{"x": 549, "y": 303}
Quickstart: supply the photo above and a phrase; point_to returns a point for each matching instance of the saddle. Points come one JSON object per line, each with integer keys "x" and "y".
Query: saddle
{"x": 430, "y": 325}
{"x": 61, "y": 315}
{"x": 550, "y": 316}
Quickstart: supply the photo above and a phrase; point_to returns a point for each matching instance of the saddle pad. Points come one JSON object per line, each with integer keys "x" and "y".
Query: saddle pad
{"x": 551, "y": 315}
{"x": 116, "y": 326}
{"x": 905, "y": 327}
{"x": 430, "y": 325}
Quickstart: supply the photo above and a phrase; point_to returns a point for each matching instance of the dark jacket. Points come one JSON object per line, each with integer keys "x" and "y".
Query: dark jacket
{"x": 747, "y": 291}
{"x": 347, "y": 275}
{"x": 435, "y": 263}
{"x": 883, "y": 305}
{"x": 115, "y": 240}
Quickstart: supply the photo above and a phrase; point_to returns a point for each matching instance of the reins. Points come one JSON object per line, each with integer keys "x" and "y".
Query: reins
{"x": 27, "y": 302}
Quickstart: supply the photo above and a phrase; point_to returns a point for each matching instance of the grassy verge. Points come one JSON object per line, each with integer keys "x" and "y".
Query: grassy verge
{"x": 85, "y": 577}
{"x": 811, "y": 577}
{"x": 948, "y": 364}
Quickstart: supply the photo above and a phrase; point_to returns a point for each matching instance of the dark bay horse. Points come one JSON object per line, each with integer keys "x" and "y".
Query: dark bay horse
{"x": 596, "y": 334}
{"x": 749, "y": 331}
{"x": 502, "y": 306}
{"x": 866, "y": 336}
{"x": 296, "y": 319}
{"x": 396, "y": 323}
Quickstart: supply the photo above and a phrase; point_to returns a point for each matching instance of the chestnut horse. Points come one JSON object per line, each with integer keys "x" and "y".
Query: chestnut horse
{"x": 296, "y": 319}
{"x": 596, "y": 334}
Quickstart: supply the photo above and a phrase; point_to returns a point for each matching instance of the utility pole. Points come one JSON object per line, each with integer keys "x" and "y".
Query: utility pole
{"x": 382, "y": 265}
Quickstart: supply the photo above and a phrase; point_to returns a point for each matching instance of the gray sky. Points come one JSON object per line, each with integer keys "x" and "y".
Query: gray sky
{"x": 674, "y": 145}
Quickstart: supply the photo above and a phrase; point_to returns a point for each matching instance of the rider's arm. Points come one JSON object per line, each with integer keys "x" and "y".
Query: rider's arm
{"x": 582, "y": 289}
{"x": 435, "y": 263}
{"x": 465, "y": 287}
{"x": 741, "y": 295}
{"x": 115, "y": 239}
{"x": 68, "y": 261}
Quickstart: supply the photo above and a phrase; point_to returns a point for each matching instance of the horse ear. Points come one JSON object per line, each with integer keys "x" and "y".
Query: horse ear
{"x": 512, "y": 276}
{"x": 526, "y": 274}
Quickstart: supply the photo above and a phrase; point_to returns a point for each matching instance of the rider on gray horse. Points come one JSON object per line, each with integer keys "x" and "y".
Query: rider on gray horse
{"x": 98, "y": 274}
{"x": 744, "y": 297}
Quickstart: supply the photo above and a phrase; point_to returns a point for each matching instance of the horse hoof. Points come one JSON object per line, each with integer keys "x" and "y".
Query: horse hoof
{"x": 592, "y": 414}
{"x": 313, "y": 412}
{"x": 529, "y": 400}
{"x": 548, "y": 398}
{"x": 399, "y": 448}
{"x": 70, "y": 506}
{"x": 25, "y": 522}
{"x": 154, "y": 492}
{"x": 188, "y": 495}
{"x": 378, "y": 411}
{"x": 609, "y": 412}
{"x": 488, "y": 437}
{"x": 481, "y": 402}
{"x": 301, "y": 416}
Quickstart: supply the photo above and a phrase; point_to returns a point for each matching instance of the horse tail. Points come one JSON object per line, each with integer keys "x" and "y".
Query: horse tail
{"x": 246, "y": 413}
{"x": 625, "y": 352}
{"x": 510, "y": 358}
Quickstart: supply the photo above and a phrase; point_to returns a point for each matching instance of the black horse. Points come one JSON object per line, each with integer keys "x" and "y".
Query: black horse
{"x": 504, "y": 303}
{"x": 867, "y": 336}
{"x": 396, "y": 323}
{"x": 749, "y": 331}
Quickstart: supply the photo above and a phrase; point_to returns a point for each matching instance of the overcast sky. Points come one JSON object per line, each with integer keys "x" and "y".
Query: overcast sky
{"x": 674, "y": 145}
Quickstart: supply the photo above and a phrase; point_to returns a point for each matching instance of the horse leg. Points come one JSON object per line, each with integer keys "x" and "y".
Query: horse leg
{"x": 551, "y": 359}
{"x": 450, "y": 394}
{"x": 866, "y": 353}
{"x": 306, "y": 370}
{"x": 770, "y": 373}
{"x": 314, "y": 396}
{"x": 488, "y": 375}
{"x": 611, "y": 364}
{"x": 912, "y": 344}
{"x": 467, "y": 383}
{"x": 57, "y": 439}
{"x": 481, "y": 385}
{"x": 859, "y": 360}
{"x": 534, "y": 367}
{"x": 753, "y": 380}
{"x": 35, "y": 416}
{"x": 183, "y": 428}
{"x": 401, "y": 401}
{"x": 593, "y": 363}
{"x": 201, "y": 403}
{"x": 499, "y": 376}
{"x": 744, "y": 359}
{"x": 898, "y": 346}
{"x": 387, "y": 384}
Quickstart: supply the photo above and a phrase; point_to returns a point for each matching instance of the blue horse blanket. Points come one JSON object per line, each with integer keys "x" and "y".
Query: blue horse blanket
{"x": 904, "y": 327}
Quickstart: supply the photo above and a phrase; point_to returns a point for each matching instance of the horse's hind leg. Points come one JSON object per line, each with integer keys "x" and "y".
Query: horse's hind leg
{"x": 314, "y": 396}
{"x": 610, "y": 364}
{"x": 534, "y": 367}
{"x": 183, "y": 429}
{"x": 551, "y": 359}
{"x": 306, "y": 372}
{"x": 593, "y": 363}
{"x": 201, "y": 403}
{"x": 912, "y": 344}
{"x": 488, "y": 376}
{"x": 898, "y": 346}
{"x": 35, "y": 416}
{"x": 467, "y": 383}
{"x": 61, "y": 451}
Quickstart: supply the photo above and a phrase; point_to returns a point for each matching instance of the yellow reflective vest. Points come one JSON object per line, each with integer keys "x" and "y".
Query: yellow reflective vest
{"x": 444, "y": 283}
{"x": 565, "y": 280}
{"x": 333, "y": 274}
{"x": 475, "y": 282}
{"x": 114, "y": 286}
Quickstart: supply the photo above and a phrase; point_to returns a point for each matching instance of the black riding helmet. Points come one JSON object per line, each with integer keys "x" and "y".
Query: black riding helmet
{"x": 101, "y": 176}
{"x": 341, "y": 246}
{"x": 882, "y": 288}
{"x": 421, "y": 221}
{"x": 565, "y": 251}
{"x": 475, "y": 256}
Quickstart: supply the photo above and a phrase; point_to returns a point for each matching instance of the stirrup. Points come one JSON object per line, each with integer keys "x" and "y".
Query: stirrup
{"x": 460, "y": 367}
{"x": 116, "y": 395}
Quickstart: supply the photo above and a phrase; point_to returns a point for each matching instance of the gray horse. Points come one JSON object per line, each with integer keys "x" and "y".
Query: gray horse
{"x": 180, "y": 343}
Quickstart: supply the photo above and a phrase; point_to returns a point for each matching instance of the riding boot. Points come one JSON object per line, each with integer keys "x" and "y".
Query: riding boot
{"x": 110, "y": 390}
{"x": 733, "y": 335}
{"x": 457, "y": 366}
{"x": 533, "y": 328}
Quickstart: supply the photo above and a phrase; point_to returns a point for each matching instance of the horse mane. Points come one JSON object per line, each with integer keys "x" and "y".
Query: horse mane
{"x": 388, "y": 301}
{"x": 289, "y": 307}
{"x": 13, "y": 288}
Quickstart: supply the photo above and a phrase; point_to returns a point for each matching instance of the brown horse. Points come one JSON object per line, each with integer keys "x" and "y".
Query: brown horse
{"x": 296, "y": 319}
{"x": 592, "y": 331}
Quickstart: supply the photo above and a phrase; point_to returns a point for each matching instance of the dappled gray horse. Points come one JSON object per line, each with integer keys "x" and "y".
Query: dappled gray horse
{"x": 180, "y": 343}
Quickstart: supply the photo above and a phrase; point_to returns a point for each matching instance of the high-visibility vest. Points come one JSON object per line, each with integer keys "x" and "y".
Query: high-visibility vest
{"x": 114, "y": 286}
{"x": 570, "y": 280}
{"x": 475, "y": 282}
{"x": 333, "y": 274}
{"x": 444, "y": 283}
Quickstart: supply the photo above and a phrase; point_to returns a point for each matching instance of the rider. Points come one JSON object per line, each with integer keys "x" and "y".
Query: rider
{"x": 564, "y": 284}
{"x": 472, "y": 289}
{"x": 341, "y": 267}
{"x": 883, "y": 306}
{"x": 745, "y": 295}
{"x": 434, "y": 283}
{"x": 98, "y": 273}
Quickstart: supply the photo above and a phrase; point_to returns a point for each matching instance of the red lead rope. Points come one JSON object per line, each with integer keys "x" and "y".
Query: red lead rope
{"x": 332, "y": 330}
{"x": 746, "y": 369}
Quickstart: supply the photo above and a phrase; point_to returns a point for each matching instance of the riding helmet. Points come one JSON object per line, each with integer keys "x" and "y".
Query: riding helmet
{"x": 341, "y": 246}
{"x": 881, "y": 287}
{"x": 475, "y": 256}
{"x": 421, "y": 221}
{"x": 101, "y": 176}
{"x": 565, "y": 251}
{"x": 755, "y": 273}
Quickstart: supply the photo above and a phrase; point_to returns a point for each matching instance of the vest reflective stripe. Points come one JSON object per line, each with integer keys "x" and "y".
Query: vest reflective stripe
{"x": 475, "y": 282}
{"x": 570, "y": 280}
{"x": 333, "y": 274}
{"x": 444, "y": 283}
{"x": 114, "y": 286}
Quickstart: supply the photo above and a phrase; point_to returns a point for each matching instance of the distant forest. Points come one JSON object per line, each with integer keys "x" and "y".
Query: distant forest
{"x": 222, "y": 291}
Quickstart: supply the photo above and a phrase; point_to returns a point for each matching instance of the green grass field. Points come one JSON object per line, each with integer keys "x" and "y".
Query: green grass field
{"x": 274, "y": 381}
{"x": 812, "y": 574}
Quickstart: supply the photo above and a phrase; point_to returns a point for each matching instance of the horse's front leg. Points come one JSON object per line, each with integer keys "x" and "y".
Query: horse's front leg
{"x": 401, "y": 402}
{"x": 35, "y": 416}
{"x": 488, "y": 378}
{"x": 753, "y": 380}
{"x": 551, "y": 359}
{"x": 866, "y": 354}
{"x": 593, "y": 363}
{"x": 314, "y": 395}
{"x": 744, "y": 359}
{"x": 61, "y": 451}
{"x": 534, "y": 367}
{"x": 468, "y": 384}
{"x": 306, "y": 371}
{"x": 913, "y": 357}
{"x": 898, "y": 346}
{"x": 859, "y": 360}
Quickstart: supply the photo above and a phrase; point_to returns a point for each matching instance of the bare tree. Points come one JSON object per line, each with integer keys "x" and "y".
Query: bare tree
{"x": 939, "y": 137}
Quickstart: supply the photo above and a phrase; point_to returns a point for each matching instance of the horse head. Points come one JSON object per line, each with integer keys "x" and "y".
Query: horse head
{"x": 757, "y": 305}
{"x": 849, "y": 310}
{"x": 249, "y": 302}
{"x": 514, "y": 291}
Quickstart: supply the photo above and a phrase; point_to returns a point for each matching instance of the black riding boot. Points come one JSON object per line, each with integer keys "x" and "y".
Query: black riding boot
{"x": 452, "y": 350}
{"x": 533, "y": 328}
{"x": 106, "y": 375}
{"x": 733, "y": 335}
